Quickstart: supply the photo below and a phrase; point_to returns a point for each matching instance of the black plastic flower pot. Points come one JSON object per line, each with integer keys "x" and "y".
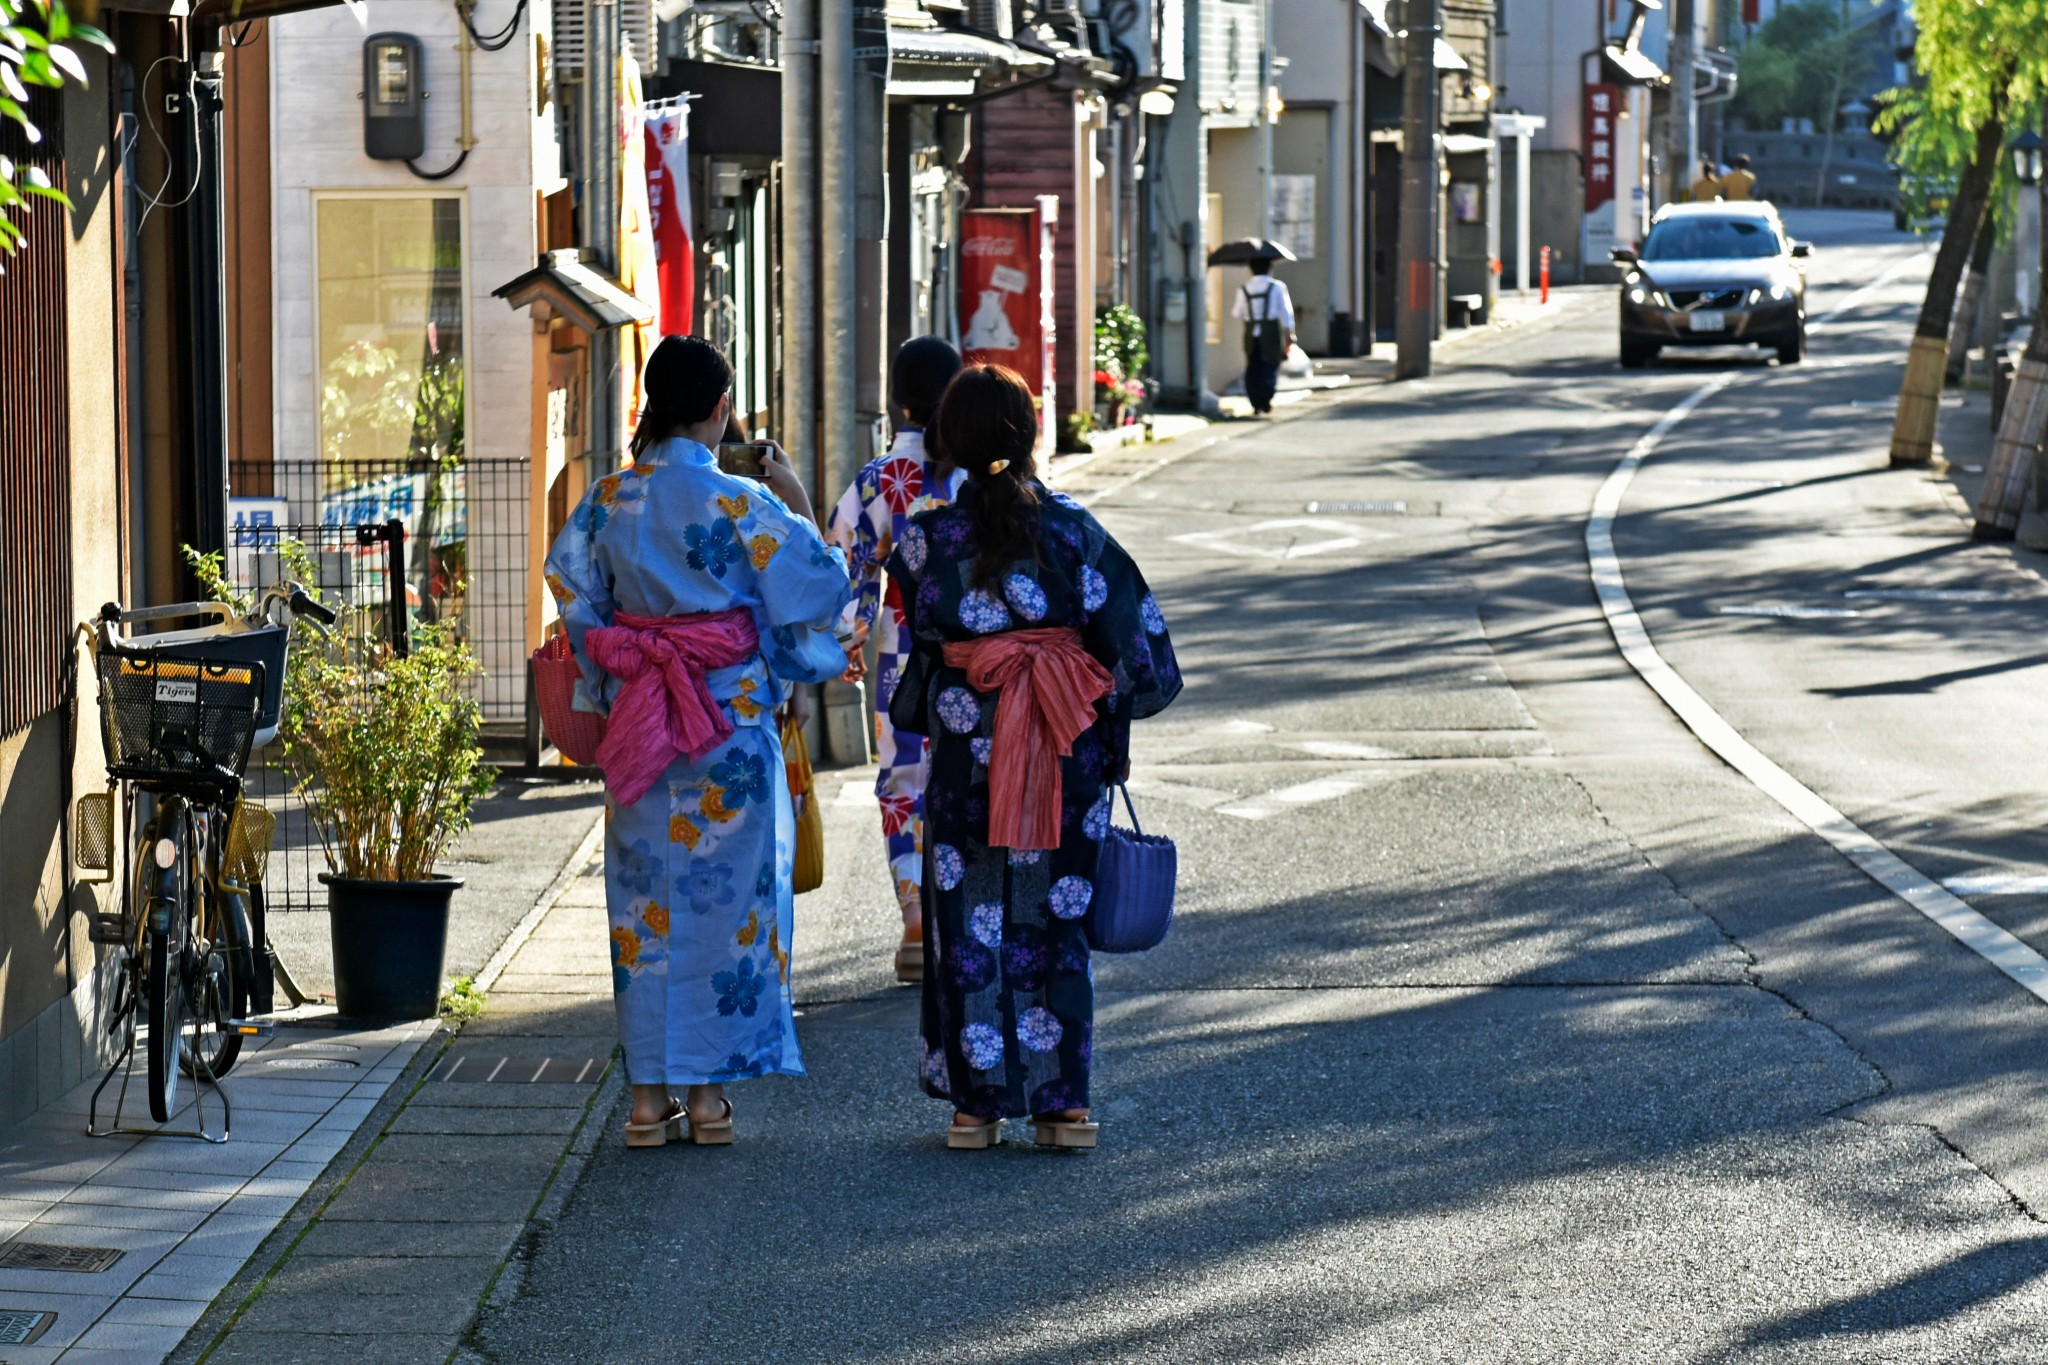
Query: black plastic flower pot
{"x": 390, "y": 945}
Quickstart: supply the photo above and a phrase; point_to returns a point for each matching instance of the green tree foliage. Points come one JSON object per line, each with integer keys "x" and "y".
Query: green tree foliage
{"x": 385, "y": 754}
{"x": 1801, "y": 62}
{"x": 39, "y": 43}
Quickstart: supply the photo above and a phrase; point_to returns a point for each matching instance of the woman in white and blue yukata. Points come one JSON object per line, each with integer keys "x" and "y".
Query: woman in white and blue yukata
{"x": 693, "y": 600}
{"x": 866, "y": 524}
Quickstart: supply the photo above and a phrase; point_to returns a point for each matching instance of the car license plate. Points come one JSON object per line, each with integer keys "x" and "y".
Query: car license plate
{"x": 1710, "y": 322}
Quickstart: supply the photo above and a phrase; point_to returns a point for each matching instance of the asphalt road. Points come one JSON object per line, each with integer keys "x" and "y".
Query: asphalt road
{"x": 1502, "y": 1021}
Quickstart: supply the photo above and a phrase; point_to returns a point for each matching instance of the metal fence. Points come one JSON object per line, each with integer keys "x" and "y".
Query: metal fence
{"x": 466, "y": 530}
{"x": 359, "y": 571}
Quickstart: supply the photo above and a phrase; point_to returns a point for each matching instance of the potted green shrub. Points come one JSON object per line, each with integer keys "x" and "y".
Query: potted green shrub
{"x": 383, "y": 749}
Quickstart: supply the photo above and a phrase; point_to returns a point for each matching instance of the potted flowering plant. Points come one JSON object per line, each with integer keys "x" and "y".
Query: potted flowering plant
{"x": 383, "y": 749}
{"x": 1120, "y": 358}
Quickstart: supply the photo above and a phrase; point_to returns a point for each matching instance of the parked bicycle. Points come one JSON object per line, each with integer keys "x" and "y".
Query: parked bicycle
{"x": 181, "y": 711}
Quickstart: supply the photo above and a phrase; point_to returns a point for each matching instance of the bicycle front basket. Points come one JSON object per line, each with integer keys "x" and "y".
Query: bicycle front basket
{"x": 173, "y": 719}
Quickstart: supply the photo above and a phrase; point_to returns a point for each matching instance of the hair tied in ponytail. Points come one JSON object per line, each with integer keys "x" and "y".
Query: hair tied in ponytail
{"x": 998, "y": 467}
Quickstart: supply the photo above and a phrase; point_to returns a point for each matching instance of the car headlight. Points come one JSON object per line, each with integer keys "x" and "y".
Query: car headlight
{"x": 1781, "y": 292}
{"x": 1638, "y": 295}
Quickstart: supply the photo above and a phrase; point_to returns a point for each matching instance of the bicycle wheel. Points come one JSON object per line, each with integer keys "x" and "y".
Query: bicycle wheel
{"x": 168, "y": 918}
{"x": 208, "y": 1051}
{"x": 212, "y": 1050}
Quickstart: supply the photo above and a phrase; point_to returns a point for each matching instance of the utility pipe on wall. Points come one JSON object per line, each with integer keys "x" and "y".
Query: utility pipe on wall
{"x": 800, "y": 238}
{"x": 838, "y": 351}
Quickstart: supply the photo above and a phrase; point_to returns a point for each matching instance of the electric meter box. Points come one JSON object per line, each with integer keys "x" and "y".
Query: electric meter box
{"x": 394, "y": 100}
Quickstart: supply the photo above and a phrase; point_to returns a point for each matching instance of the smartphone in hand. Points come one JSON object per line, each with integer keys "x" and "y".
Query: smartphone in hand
{"x": 743, "y": 458}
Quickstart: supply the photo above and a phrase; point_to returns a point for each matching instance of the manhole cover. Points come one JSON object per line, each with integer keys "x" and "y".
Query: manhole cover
{"x": 309, "y": 1064}
{"x": 51, "y": 1256}
{"x": 486, "y": 1067}
{"x": 21, "y": 1326}
{"x": 324, "y": 1049}
{"x": 1394, "y": 506}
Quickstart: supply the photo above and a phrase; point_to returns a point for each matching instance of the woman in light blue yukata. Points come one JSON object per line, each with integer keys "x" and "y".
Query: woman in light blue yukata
{"x": 867, "y": 522}
{"x": 693, "y": 599}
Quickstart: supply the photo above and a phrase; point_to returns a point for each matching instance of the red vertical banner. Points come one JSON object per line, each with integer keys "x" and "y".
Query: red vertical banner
{"x": 668, "y": 198}
{"x": 1602, "y": 129}
{"x": 1002, "y": 292}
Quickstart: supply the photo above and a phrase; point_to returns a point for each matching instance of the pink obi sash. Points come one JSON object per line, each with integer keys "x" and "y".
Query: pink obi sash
{"x": 1047, "y": 687}
{"x": 665, "y": 708}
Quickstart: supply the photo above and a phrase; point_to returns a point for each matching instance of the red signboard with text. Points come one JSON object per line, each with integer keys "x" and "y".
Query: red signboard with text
{"x": 1602, "y": 132}
{"x": 1006, "y": 297}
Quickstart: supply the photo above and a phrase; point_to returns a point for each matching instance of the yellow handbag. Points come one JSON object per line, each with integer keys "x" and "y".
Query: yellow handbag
{"x": 810, "y": 820}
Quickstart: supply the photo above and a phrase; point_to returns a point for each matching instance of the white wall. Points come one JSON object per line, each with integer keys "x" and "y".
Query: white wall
{"x": 1540, "y": 65}
{"x": 317, "y": 142}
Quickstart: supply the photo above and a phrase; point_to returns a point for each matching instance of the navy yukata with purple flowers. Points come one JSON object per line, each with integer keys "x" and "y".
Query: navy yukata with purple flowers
{"x": 1009, "y": 995}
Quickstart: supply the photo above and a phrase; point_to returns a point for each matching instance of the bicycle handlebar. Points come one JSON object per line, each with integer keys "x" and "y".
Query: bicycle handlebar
{"x": 303, "y": 605}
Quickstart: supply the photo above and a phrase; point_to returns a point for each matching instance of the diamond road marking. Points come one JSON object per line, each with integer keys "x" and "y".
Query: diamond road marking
{"x": 1304, "y": 794}
{"x": 1181, "y": 793}
{"x": 1343, "y": 748}
{"x": 1229, "y": 543}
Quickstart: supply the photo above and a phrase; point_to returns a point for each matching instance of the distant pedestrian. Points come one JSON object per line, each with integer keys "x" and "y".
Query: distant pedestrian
{"x": 1740, "y": 182}
{"x": 1707, "y": 188}
{"x": 866, "y": 524}
{"x": 1267, "y": 311}
{"x": 693, "y": 598}
{"x": 1035, "y": 644}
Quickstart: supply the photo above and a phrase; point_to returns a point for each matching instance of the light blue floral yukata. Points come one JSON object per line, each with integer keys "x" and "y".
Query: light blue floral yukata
{"x": 867, "y": 522}
{"x": 698, "y": 870}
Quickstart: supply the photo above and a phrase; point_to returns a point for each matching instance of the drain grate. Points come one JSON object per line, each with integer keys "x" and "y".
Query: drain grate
{"x": 21, "y": 1326}
{"x": 324, "y": 1049}
{"x": 489, "y": 1067}
{"x": 309, "y": 1064}
{"x": 1394, "y": 506}
{"x": 51, "y": 1256}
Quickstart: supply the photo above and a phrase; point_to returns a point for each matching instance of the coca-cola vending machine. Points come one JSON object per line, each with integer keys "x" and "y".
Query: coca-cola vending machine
{"x": 1006, "y": 298}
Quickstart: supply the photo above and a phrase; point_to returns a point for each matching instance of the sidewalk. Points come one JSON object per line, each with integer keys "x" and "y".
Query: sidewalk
{"x": 1965, "y": 439}
{"x": 390, "y": 1257}
{"x": 112, "y": 1248}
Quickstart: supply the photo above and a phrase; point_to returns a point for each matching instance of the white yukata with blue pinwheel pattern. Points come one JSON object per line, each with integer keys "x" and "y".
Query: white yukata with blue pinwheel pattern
{"x": 698, "y": 871}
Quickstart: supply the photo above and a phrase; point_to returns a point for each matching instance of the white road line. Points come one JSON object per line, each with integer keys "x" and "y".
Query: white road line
{"x": 2001, "y": 949}
{"x": 1304, "y": 794}
{"x": 1997, "y": 884}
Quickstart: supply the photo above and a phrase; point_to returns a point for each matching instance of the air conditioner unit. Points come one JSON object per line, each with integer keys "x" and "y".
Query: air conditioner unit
{"x": 992, "y": 16}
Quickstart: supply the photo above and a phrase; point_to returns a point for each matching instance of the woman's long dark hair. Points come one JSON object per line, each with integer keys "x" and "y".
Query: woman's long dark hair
{"x": 988, "y": 425}
{"x": 686, "y": 376}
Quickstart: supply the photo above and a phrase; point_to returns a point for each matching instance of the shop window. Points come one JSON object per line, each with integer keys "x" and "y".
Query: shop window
{"x": 390, "y": 316}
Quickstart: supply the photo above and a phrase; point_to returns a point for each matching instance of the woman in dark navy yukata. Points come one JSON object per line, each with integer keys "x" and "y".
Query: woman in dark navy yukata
{"x": 1035, "y": 645}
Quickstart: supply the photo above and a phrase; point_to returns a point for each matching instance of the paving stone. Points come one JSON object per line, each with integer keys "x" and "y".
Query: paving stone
{"x": 342, "y": 1312}
{"x": 384, "y": 1275}
{"x": 484, "y": 1151}
{"x": 123, "y": 1216}
{"x": 430, "y": 1196}
{"x": 158, "y": 1338}
{"x": 250, "y": 1347}
{"x": 547, "y": 1094}
{"x": 454, "y": 1238}
{"x": 179, "y": 1313}
{"x": 434, "y": 1118}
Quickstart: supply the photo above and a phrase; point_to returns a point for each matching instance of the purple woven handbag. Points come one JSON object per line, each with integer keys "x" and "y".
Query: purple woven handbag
{"x": 1134, "y": 874}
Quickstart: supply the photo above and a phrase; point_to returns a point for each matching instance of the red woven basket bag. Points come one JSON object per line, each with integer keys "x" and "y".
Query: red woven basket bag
{"x": 576, "y": 733}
